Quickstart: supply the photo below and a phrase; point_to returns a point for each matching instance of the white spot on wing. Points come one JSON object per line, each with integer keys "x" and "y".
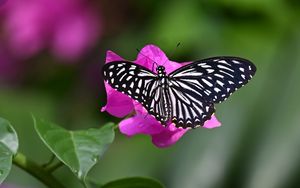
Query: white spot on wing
{"x": 224, "y": 62}
{"x": 128, "y": 78}
{"x": 140, "y": 83}
{"x": 220, "y": 83}
{"x": 219, "y": 75}
{"x": 224, "y": 67}
{"x": 207, "y": 82}
{"x": 226, "y": 73}
{"x": 217, "y": 89}
{"x": 122, "y": 70}
{"x": 206, "y": 66}
{"x": 236, "y": 62}
{"x": 133, "y": 67}
{"x": 131, "y": 85}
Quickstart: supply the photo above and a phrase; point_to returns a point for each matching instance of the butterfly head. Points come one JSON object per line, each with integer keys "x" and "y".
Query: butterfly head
{"x": 161, "y": 70}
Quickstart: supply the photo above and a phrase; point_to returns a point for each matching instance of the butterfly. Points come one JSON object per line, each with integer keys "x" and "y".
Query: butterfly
{"x": 187, "y": 95}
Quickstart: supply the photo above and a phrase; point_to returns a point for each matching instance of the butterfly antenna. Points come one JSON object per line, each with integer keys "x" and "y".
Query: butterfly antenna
{"x": 154, "y": 63}
{"x": 172, "y": 54}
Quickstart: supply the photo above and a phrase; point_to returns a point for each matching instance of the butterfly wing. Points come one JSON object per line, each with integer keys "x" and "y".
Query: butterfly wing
{"x": 139, "y": 84}
{"x": 188, "y": 107}
{"x": 215, "y": 78}
{"x": 130, "y": 79}
{"x": 194, "y": 88}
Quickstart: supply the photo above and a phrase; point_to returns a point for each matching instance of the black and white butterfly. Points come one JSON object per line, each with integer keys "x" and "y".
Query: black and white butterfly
{"x": 187, "y": 95}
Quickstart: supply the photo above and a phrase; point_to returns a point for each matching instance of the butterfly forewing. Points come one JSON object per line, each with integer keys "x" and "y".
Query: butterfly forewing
{"x": 214, "y": 79}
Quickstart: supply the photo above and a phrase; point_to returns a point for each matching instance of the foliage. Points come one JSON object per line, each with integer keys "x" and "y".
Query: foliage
{"x": 8, "y": 147}
{"x": 79, "y": 150}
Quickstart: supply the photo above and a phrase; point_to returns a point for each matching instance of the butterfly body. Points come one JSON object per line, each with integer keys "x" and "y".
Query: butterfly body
{"x": 185, "y": 96}
{"x": 165, "y": 102}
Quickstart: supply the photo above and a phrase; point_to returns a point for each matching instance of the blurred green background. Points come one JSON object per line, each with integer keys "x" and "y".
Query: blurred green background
{"x": 258, "y": 145}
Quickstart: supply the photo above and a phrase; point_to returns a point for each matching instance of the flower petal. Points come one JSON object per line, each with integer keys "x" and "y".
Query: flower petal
{"x": 161, "y": 136}
{"x": 149, "y": 54}
{"x": 212, "y": 123}
{"x": 168, "y": 136}
{"x": 112, "y": 56}
{"x": 118, "y": 104}
{"x": 140, "y": 124}
{"x": 172, "y": 66}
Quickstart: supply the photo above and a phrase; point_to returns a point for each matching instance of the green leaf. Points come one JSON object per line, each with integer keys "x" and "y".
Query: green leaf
{"x": 8, "y": 147}
{"x": 79, "y": 150}
{"x": 134, "y": 182}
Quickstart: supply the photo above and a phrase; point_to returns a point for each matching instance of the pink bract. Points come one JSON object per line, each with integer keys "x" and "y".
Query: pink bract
{"x": 120, "y": 105}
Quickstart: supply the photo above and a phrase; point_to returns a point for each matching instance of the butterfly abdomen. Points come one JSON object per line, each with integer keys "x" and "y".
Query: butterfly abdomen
{"x": 166, "y": 100}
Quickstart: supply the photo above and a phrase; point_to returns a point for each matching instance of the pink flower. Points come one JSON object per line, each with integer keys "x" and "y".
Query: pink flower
{"x": 120, "y": 105}
{"x": 66, "y": 27}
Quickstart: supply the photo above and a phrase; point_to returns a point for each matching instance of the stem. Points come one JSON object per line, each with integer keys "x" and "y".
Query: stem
{"x": 53, "y": 167}
{"x": 36, "y": 171}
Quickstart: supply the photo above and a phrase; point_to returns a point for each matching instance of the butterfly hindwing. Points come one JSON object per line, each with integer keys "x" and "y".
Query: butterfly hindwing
{"x": 188, "y": 108}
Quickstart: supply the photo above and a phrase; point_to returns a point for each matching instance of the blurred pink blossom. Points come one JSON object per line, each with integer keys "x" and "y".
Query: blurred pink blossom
{"x": 10, "y": 70}
{"x": 2, "y": 2}
{"x": 67, "y": 28}
{"x": 120, "y": 105}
